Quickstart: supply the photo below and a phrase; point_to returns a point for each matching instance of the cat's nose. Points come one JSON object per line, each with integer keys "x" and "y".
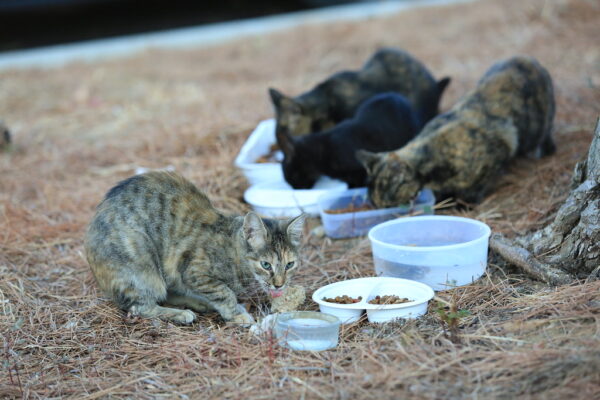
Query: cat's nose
{"x": 276, "y": 286}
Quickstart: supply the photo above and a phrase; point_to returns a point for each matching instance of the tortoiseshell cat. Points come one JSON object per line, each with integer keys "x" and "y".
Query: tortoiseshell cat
{"x": 157, "y": 239}
{"x": 338, "y": 97}
{"x": 461, "y": 152}
{"x": 384, "y": 122}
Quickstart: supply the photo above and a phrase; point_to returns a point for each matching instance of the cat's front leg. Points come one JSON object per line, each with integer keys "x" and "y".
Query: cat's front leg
{"x": 243, "y": 317}
{"x": 220, "y": 297}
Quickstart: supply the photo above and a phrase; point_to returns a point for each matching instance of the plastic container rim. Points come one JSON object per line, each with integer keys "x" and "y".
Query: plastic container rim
{"x": 487, "y": 232}
{"x": 286, "y": 317}
{"x": 337, "y": 195}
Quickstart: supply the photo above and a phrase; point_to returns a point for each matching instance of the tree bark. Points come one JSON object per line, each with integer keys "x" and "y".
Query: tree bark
{"x": 569, "y": 247}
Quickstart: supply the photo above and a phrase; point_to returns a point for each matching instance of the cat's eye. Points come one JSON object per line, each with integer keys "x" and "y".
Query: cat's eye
{"x": 265, "y": 265}
{"x": 289, "y": 265}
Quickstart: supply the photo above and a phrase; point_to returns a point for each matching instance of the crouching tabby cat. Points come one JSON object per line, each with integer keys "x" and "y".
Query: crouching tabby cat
{"x": 338, "y": 97}
{"x": 462, "y": 151}
{"x": 156, "y": 239}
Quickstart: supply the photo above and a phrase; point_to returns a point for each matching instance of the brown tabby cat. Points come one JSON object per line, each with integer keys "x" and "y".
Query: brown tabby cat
{"x": 461, "y": 152}
{"x": 157, "y": 239}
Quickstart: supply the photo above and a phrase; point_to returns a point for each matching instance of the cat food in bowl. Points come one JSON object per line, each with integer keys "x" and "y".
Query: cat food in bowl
{"x": 258, "y": 159}
{"x": 367, "y": 289}
{"x": 440, "y": 251}
{"x": 307, "y": 330}
{"x": 392, "y": 298}
{"x": 349, "y": 213}
{"x": 347, "y": 313}
{"x": 278, "y": 199}
{"x": 344, "y": 299}
{"x": 388, "y": 299}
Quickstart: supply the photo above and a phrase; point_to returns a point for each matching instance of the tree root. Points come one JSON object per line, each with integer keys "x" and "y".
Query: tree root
{"x": 523, "y": 259}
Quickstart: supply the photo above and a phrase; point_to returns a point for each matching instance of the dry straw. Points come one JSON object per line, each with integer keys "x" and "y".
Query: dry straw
{"x": 81, "y": 128}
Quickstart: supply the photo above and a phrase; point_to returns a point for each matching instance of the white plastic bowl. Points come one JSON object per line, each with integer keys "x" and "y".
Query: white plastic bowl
{"x": 278, "y": 199}
{"x": 351, "y": 224}
{"x": 258, "y": 144}
{"x": 368, "y": 288}
{"x": 440, "y": 251}
{"x": 419, "y": 293}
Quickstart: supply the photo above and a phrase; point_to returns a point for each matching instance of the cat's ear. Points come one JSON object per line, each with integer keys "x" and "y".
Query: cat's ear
{"x": 295, "y": 228}
{"x": 254, "y": 231}
{"x": 276, "y": 97}
{"x": 367, "y": 159}
{"x": 442, "y": 84}
{"x": 284, "y": 104}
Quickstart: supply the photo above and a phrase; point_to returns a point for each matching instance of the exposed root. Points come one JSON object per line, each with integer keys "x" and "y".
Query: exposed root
{"x": 523, "y": 259}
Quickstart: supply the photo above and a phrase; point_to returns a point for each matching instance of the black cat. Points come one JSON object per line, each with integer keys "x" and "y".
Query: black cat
{"x": 385, "y": 122}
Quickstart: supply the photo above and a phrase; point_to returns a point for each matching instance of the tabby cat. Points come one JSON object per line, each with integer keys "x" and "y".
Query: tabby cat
{"x": 461, "y": 152}
{"x": 156, "y": 240}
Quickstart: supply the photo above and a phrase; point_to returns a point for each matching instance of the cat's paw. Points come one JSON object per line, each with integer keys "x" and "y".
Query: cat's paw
{"x": 184, "y": 317}
{"x": 242, "y": 319}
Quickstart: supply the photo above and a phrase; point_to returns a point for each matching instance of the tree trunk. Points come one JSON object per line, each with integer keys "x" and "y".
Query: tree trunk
{"x": 569, "y": 247}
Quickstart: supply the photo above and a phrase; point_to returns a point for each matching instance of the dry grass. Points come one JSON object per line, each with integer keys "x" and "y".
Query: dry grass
{"x": 81, "y": 128}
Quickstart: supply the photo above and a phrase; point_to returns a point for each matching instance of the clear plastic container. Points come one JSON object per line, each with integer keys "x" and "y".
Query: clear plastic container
{"x": 307, "y": 330}
{"x": 353, "y": 224}
{"x": 440, "y": 251}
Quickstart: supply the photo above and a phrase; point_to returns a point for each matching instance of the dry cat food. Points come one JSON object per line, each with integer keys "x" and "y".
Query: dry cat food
{"x": 351, "y": 209}
{"x": 388, "y": 299}
{"x": 342, "y": 299}
{"x": 270, "y": 156}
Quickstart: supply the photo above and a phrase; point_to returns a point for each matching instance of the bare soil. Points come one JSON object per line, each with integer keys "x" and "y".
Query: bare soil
{"x": 81, "y": 128}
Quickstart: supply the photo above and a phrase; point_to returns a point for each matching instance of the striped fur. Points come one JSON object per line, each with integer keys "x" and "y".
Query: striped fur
{"x": 156, "y": 240}
{"x": 462, "y": 152}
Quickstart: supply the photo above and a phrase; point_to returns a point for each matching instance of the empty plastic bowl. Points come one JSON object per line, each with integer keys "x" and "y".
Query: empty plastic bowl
{"x": 358, "y": 223}
{"x": 258, "y": 144}
{"x": 307, "y": 330}
{"x": 278, "y": 199}
{"x": 418, "y": 293}
{"x": 440, "y": 251}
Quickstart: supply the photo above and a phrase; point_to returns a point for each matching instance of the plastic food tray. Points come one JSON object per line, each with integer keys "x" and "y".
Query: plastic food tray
{"x": 359, "y": 223}
{"x": 368, "y": 288}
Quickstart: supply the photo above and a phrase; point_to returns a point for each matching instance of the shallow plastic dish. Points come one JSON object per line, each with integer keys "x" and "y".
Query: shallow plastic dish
{"x": 368, "y": 288}
{"x": 278, "y": 199}
{"x": 307, "y": 330}
{"x": 258, "y": 144}
{"x": 440, "y": 251}
{"x": 353, "y": 224}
